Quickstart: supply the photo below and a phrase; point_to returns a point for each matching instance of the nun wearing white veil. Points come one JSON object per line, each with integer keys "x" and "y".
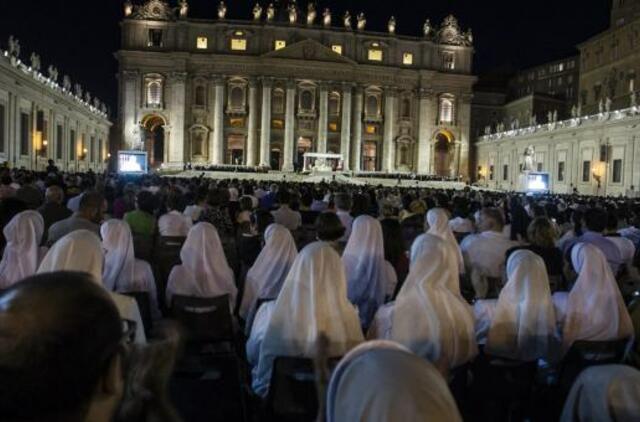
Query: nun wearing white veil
{"x": 23, "y": 253}
{"x": 370, "y": 278}
{"x": 607, "y": 393}
{"x": 264, "y": 279}
{"x": 122, "y": 272}
{"x": 81, "y": 251}
{"x": 427, "y": 317}
{"x": 204, "y": 271}
{"x": 382, "y": 381}
{"x": 438, "y": 222}
{"x": 521, "y": 323}
{"x": 594, "y": 309}
{"x": 313, "y": 300}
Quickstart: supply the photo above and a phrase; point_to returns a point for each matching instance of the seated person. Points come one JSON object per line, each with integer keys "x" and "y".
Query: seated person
{"x": 174, "y": 223}
{"x": 284, "y": 215}
{"x": 88, "y": 217}
{"x": 142, "y": 221}
{"x": 22, "y": 254}
{"x": 330, "y": 229}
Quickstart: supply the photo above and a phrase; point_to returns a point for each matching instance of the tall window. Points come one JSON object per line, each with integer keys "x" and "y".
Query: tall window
{"x": 153, "y": 91}
{"x": 586, "y": 171}
{"x": 2, "y": 127}
{"x": 306, "y": 101}
{"x": 449, "y": 60}
{"x": 446, "y": 110}
{"x": 617, "y": 171}
{"x": 406, "y": 108}
{"x": 200, "y": 99}
{"x": 505, "y": 172}
{"x": 277, "y": 102}
{"x": 334, "y": 104}
{"x": 155, "y": 38}
{"x": 561, "y": 171}
{"x": 72, "y": 145}
{"x": 236, "y": 98}
{"x": 92, "y": 149}
{"x": 25, "y": 129}
{"x": 59, "y": 141}
{"x": 99, "y": 150}
{"x": 491, "y": 172}
{"x": 372, "y": 106}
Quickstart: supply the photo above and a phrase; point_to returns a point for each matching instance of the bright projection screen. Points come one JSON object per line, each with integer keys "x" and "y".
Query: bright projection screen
{"x": 132, "y": 162}
{"x": 538, "y": 182}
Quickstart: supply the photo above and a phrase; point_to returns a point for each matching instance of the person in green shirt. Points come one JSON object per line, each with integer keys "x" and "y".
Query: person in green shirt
{"x": 142, "y": 221}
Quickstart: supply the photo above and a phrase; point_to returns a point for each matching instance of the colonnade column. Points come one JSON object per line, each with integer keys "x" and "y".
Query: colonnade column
{"x": 357, "y": 130}
{"x": 388, "y": 147}
{"x": 265, "y": 123}
{"x": 217, "y": 146}
{"x": 323, "y": 119}
{"x": 345, "y": 127}
{"x": 128, "y": 87}
{"x": 424, "y": 138}
{"x": 250, "y": 158}
{"x": 178, "y": 105}
{"x": 289, "y": 127}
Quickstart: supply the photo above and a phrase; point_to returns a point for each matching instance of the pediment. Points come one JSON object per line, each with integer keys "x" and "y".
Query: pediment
{"x": 309, "y": 50}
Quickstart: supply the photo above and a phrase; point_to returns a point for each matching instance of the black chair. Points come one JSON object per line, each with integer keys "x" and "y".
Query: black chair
{"x": 144, "y": 305}
{"x": 143, "y": 247}
{"x": 292, "y": 393}
{"x": 309, "y": 217}
{"x": 167, "y": 255}
{"x": 207, "y": 321}
{"x": 584, "y": 354}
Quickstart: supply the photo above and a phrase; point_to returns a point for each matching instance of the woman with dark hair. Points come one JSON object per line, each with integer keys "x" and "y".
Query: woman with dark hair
{"x": 329, "y": 229}
{"x": 394, "y": 250}
{"x": 519, "y": 220}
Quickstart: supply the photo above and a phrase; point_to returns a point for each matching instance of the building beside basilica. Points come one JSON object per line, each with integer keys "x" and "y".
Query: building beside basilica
{"x": 292, "y": 80}
{"x": 594, "y": 145}
{"x": 42, "y": 116}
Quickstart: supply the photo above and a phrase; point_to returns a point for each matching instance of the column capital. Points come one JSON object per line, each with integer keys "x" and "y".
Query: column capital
{"x": 131, "y": 74}
{"x": 426, "y": 93}
{"x": 466, "y": 97}
{"x": 178, "y": 76}
{"x": 291, "y": 84}
{"x": 217, "y": 79}
{"x": 348, "y": 86}
{"x": 391, "y": 91}
{"x": 266, "y": 81}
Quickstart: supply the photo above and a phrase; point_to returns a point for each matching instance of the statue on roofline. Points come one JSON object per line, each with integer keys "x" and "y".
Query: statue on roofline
{"x": 271, "y": 12}
{"x": 347, "y": 20}
{"x": 391, "y": 26}
{"x": 311, "y": 13}
{"x": 326, "y": 17}
{"x": 427, "y": 29}
{"x": 14, "y": 46}
{"x": 184, "y": 8}
{"x": 362, "y": 21}
{"x": 222, "y": 10}
{"x": 257, "y": 12}
{"x": 66, "y": 83}
{"x": 53, "y": 73}
{"x": 35, "y": 62}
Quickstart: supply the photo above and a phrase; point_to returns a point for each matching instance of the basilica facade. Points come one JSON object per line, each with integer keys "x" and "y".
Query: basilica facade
{"x": 292, "y": 80}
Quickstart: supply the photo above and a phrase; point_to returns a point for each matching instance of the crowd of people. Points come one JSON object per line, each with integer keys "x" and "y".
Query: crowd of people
{"x": 407, "y": 286}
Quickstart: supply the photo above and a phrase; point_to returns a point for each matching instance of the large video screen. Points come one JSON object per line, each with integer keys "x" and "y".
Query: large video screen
{"x": 134, "y": 162}
{"x": 538, "y": 182}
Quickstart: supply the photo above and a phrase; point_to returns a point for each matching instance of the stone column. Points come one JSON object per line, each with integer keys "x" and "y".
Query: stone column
{"x": 128, "y": 86}
{"x": 345, "y": 127}
{"x": 265, "y": 123}
{"x": 388, "y": 147}
{"x": 217, "y": 146}
{"x": 464, "y": 122}
{"x": 323, "y": 119}
{"x": 250, "y": 157}
{"x": 178, "y": 103}
{"x": 424, "y": 131}
{"x": 357, "y": 130}
{"x": 289, "y": 127}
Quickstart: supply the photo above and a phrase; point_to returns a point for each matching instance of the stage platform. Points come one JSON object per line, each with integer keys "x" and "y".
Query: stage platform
{"x": 319, "y": 178}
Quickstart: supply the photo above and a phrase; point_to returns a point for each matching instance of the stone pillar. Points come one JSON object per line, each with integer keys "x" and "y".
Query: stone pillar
{"x": 178, "y": 102}
{"x": 250, "y": 156}
{"x": 425, "y": 120}
{"x": 357, "y": 130}
{"x": 265, "y": 124}
{"x": 345, "y": 127}
{"x": 289, "y": 127}
{"x": 323, "y": 119}
{"x": 128, "y": 103}
{"x": 464, "y": 122}
{"x": 388, "y": 147}
{"x": 217, "y": 146}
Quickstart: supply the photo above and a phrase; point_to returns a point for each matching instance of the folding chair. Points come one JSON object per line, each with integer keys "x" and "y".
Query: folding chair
{"x": 144, "y": 305}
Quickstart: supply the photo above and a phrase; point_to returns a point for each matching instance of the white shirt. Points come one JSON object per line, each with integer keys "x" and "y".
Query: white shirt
{"x": 347, "y": 222}
{"x": 285, "y": 216}
{"x": 174, "y": 224}
{"x": 486, "y": 252}
{"x": 193, "y": 212}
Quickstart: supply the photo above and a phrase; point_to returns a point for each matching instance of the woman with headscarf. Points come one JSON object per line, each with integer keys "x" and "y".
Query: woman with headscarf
{"x": 382, "y": 381}
{"x": 607, "y": 393}
{"x": 23, "y": 253}
{"x": 204, "y": 271}
{"x": 81, "y": 251}
{"x": 594, "y": 309}
{"x": 370, "y": 278}
{"x": 122, "y": 272}
{"x": 313, "y": 300}
{"x": 521, "y": 323}
{"x": 264, "y": 279}
{"x": 427, "y": 317}
{"x": 438, "y": 222}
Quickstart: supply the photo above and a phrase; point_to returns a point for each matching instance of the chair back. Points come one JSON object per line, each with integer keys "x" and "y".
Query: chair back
{"x": 144, "y": 305}
{"x": 167, "y": 256}
{"x": 143, "y": 247}
{"x": 206, "y": 320}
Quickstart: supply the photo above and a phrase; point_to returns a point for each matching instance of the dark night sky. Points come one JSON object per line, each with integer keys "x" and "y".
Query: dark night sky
{"x": 80, "y": 36}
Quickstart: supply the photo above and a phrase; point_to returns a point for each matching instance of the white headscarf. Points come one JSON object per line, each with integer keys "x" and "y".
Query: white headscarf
{"x": 595, "y": 309}
{"x": 438, "y": 222}
{"x": 428, "y": 318}
{"x": 313, "y": 300}
{"x": 80, "y": 251}
{"x": 524, "y": 320}
{"x": 264, "y": 279}
{"x": 382, "y": 382}
{"x": 607, "y": 393}
{"x": 22, "y": 253}
{"x": 418, "y": 248}
{"x": 204, "y": 271}
{"x": 366, "y": 269}
{"x": 119, "y": 265}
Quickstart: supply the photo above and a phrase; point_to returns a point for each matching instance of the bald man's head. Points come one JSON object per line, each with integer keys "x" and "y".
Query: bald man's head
{"x": 54, "y": 195}
{"x": 59, "y": 333}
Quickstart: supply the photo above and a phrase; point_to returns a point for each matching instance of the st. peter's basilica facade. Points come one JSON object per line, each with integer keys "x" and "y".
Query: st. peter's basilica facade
{"x": 292, "y": 80}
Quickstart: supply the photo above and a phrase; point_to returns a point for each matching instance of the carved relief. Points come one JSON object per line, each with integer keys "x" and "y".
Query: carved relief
{"x": 153, "y": 10}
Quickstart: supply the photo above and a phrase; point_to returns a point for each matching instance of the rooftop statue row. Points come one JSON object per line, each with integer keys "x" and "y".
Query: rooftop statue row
{"x": 449, "y": 32}
{"x": 34, "y": 67}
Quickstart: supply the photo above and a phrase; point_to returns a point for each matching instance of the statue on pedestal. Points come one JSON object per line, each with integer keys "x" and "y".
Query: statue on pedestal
{"x": 347, "y": 20}
{"x": 87, "y": 97}
{"x": 14, "y": 46}
{"x": 362, "y": 21}
{"x": 77, "y": 89}
{"x": 391, "y": 26}
{"x": 184, "y": 8}
{"x": 293, "y": 12}
{"x": 53, "y": 73}
{"x": 574, "y": 112}
{"x": 427, "y": 29}
{"x": 550, "y": 116}
{"x": 607, "y": 104}
{"x": 96, "y": 103}
{"x": 128, "y": 8}
{"x": 326, "y": 17}
{"x": 35, "y": 62}
{"x": 222, "y": 10}
{"x": 632, "y": 99}
{"x": 529, "y": 158}
{"x": 601, "y": 106}
{"x": 257, "y": 12}
{"x": 487, "y": 130}
{"x": 555, "y": 116}
{"x": 469, "y": 36}
{"x": 271, "y": 12}
{"x": 66, "y": 83}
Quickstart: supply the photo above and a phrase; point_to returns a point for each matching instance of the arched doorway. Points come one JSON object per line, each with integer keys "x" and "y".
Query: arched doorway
{"x": 443, "y": 149}
{"x": 153, "y": 139}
